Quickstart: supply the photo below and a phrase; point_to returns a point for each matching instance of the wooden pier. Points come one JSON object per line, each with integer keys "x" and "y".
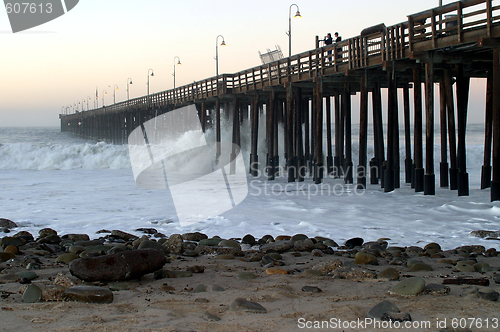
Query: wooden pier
{"x": 448, "y": 45}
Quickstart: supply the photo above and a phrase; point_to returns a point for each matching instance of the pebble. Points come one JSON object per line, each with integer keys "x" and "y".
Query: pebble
{"x": 200, "y": 288}
{"x": 389, "y": 273}
{"x": 190, "y": 253}
{"x": 210, "y": 317}
{"x": 241, "y": 304}
{"x": 313, "y": 273}
{"x": 436, "y": 289}
{"x": 216, "y": 288}
{"x": 66, "y": 258}
{"x": 32, "y": 294}
{"x": 209, "y": 242}
{"x": 276, "y": 270}
{"x": 464, "y": 267}
{"x": 487, "y": 293}
{"x": 125, "y": 265}
{"x": 354, "y": 242}
{"x": 88, "y": 294}
{"x": 196, "y": 236}
{"x": 384, "y": 307}
{"x": 11, "y": 248}
{"x": 230, "y": 244}
{"x": 196, "y": 269}
{"x": 5, "y": 256}
{"x": 248, "y": 239}
{"x": 175, "y": 244}
{"x": 6, "y": 223}
{"x": 409, "y": 287}
{"x": 124, "y": 235}
{"x": 29, "y": 275}
{"x": 365, "y": 258}
{"x": 311, "y": 289}
{"x": 224, "y": 256}
{"x": 420, "y": 267}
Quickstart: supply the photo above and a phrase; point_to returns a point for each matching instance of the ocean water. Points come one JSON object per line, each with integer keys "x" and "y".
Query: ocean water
{"x": 54, "y": 179}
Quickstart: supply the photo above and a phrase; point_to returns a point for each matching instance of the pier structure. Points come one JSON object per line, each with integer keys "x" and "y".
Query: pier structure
{"x": 308, "y": 92}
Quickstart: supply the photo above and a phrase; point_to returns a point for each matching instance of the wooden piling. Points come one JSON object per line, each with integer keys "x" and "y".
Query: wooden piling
{"x": 418, "y": 175}
{"x": 451, "y": 129}
{"x": 429, "y": 179}
{"x": 378, "y": 130}
{"x": 495, "y": 183}
{"x": 318, "y": 135}
{"x": 254, "y": 158}
{"x": 346, "y": 99}
{"x": 463, "y": 84}
{"x": 329, "y": 158}
{"x": 408, "y": 159}
{"x": 488, "y": 131}
{"x": 389, "y": 175}
{"x": 363, "y": 133}
{"x": 337, "y": 159}
{"x": 289, "y": 135}
{"x": 443, "y": 165}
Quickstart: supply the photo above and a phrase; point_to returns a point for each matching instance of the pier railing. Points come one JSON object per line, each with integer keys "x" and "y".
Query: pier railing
{"x": 435, "y": 28}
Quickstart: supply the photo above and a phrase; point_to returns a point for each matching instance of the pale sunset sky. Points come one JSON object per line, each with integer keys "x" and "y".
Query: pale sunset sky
{"x": 102, "y": 43}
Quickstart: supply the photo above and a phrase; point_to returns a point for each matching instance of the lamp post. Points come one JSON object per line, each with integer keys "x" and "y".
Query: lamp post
{"x": 115, "y": 88}
{"x": 83, "y": 102}
{"x": 129, "y": 81}
{"x": 104, "y": 93}
{"x": 289, "y": 33}
{"x": 88, "y": 102}
{"x": 178, "y": 63}
{"x": 152, "y": 74}
{"x": 217, "y": 53}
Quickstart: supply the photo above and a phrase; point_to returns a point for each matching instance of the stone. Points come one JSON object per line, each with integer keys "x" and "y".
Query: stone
{"x": 256, "y": 257}
{"x": 278, "y": 246}
{"x": 124, "y": 265}
{"x": 52, "y": 293}
{"x": 230, "y": 244}
{"x": 5, "y": 256}
{"x": 433, "y": 246}
{"x": 66, "y": 258}
{"x": 409, "y": 287}
{"x": 150, "y": 231}
{"x": 50, "y": 239}
{"x": 303, "y": 245}
{"x": 248, "y": 239}
{"x": 88, "y": 294}
{"x": 200, "y": 288}
{"x": 479, "y": 266}
{"x": 330, "y": 243}
{"x": 225, "y": 256}
{"x": 276, "y": 270}
{"x": 246, "y": 275}
{"x": 210, "y": 317}
{"x": 76, "y": 249}
{"x": 283, "y": 237}
{"x": 275, "y": 256}
{"x": 190, "y": 253}
{"x": 266, "y": 259}
{"x": 266, "y": 239}
{"x": 389, "y": 273}
{"x": 241, "y": 304}
{"x": 196, "y": 236}
{"x": 179, "y": 274}
{"x": 12, "y": 249}
{"x": 487, "y": 293}
{"x": 311, "y": 289}
{"x": 328, "y": 266}
{"x": 436, "y": 289}
{"x": 9, "y": 277}
{"x": 420, "y": 267}
{"x": 382, "y": 308}
{"x": 317, "y": 253}
{"x": 216, "y": 288}
{"x": 464, "y": 267}
{"x": 124, "y": 235}
{"x": 365, "y": 258}
{"x": 484, "y": 233}
{"x": 354, "y": 242}
{"x": 298, "y": 237}
{"x": 32, "y": 294}
{"x": 6, "y": 223}
{"x": 121, "y": 286}
{"x": 313, "y": 273}
{"x": 44, "y": 232}
{"x": 209, "y": 242}
{"x": 12, "y": 241}
{"x": 63, "y": 281}
{"x": 148, "y": 244}
{"x": 196, "y": 269}
{"x": 76, "y": 237}
{"x": 29, "y": 275}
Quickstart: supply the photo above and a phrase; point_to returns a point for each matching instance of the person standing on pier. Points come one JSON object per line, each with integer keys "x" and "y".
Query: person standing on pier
{"x": 339, "y": 50}
{"x": 328, "y": 41}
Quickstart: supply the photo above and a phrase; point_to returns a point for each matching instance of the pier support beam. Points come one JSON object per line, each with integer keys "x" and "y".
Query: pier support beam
{"x": 318, "y": 131}
{"x": 463, "y": 84}
{"x": 346, "y": 102}
{"x": 376, "y": 169}
{"x": 488, "y": 130}
{"x": 443, "y": 165}
{"x": 418, "y": 176}
{"x": 408, "y": 159}
{"x": 329, "y": 158}
{"x": 495, "y": 183}
{"x": 363, "y": 137}
{"x": 430, "y": 179}
{"x": 390, "y": 171}
{"x": 337, "y": 159}
{"x": 289, "y": 135}
{"x": 448, "y": 83}
{"x": 254, "y": 158}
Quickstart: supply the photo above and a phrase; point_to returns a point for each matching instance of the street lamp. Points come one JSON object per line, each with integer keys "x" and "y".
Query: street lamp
{"x": 88, "y": 102}
{"x": 83, "y": 102}
{"x": 217, "y": 53}
{"x": 104, "y": 93}
{"x": 152, "y": 74}
{"x": 289, "y": 33}
{"x": 115, "y": 88}
{"x": 129, "y": 81}
{"x": 178, "y": 63}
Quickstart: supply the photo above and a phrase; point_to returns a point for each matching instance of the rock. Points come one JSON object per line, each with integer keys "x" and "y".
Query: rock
{"x": 487, "y": 293}
{"x": 246, "y": 275}
{"x": 150, "y": 231}
{"x": 209, "y": 242}
{"x": 197, "y": 236}
{"x": 66, "y": 258}
{"x": 6, "y": 223}
{"x": 436, "y": 289}
{"x": 420, "y": 267}
{"x": 224, "y": 256}
{"x": 384, "y": 307}
{"x": 464, "y": 267}
{"x": 479, "y": 266}
{"x": 276, "y": 270}
{"x": 257, "y": 257}
{"x": 409, "y": 287}
{"x": 32, "y": 294}
{"x": 266, "y": 239}
{"x": 248, "y": 239}
{"x": 328, "y": 266}
{"x": 63, "y": 281}
{"x": 472, "y": 249}
{"x": 44, "y": 232}
{"x": 12, "y": 249}
{"x": 190, "y": 253}
{"x": 303, "y": 245}
{"x": 313, "y": 273}
{"x": 148, "y": 244}
{"x": 365, "y": 258}
{"x": 125, "y": 236}
{"x": 241, "y": 304}
{"x": 317, "y": 253}
{"x": 12, "y": 241}
{"x": 52, "y": 293}
{"x": 200, "y": 288}
{"x": 389, "y": 273}
{"x": 76, "y": 237}
{"x": 483, "y": 233}
{"x": 29, "y": 275}
{"x": 298, "y": 237}
{"x": 216, "y": 288}
{"x": 26, "y": 236}
{"x": 330, "y": 243}
{"x": 433, "y": 246}
{"x": 354, "y": 242}
{"x": 179, "y": 274}
{"x": 196, "y": 269}
{"x": 266, "y": 259}
{"x": 311, "y": 289}
{"x": 278, "y": 246}
{"x": 209, "y": 317}
{"x": 124, "y": 265}
{"x": 392, "y": 317}
{"x": 50, "y": 239}
{"x": 230, "y": 244}
{"x": 76, "y": 249}
{"x": 275, "y": 256}
{"x": 5, "y": 256}
{"x": 88, "y": 294}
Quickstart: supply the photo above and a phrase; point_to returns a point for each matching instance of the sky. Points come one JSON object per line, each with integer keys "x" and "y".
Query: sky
{"x": 103, "y": 43}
